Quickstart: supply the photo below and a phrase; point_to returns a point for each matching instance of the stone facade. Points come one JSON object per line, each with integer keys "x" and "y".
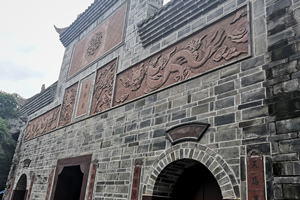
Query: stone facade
{"x": 148, "y": 91}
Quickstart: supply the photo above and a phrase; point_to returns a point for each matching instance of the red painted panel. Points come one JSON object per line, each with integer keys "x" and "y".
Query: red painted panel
{"x": 30, "y": 189}
{"x": 255, "y": 164}
{"x": 255, "y": 176}
{"x": 49, "y": 184}
{"x": 11, "y": 188}
{"x": 136, "y": 183}
{"x": 256, "y": 195}
{"x": 92, "y": 181}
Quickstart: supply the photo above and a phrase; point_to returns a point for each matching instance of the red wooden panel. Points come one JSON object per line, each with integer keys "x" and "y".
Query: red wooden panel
{"x": 136, "y": 183}
{"x": 92, "y": 181}
{"x": 11, "y": 188}
{"x": 255, "y": 176}
{"x": 30, "y": 189}
{"x": 49, "y": 184}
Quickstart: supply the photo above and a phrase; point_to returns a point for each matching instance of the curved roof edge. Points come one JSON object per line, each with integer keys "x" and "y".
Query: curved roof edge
{"x": 85, "y": 19}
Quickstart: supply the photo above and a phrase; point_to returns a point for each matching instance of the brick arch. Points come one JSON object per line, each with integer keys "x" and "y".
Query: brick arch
{"x": 187, "y": 154}
{"x": 21, "y": 184}
{"x": 23, "y": 173}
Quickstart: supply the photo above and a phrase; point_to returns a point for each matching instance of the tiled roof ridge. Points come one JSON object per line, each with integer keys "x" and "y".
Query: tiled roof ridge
{"x": 27, "y": 107}
{"x": 80, "y": 15}
{"x": 85, "y": 19}
{"x": 165, "y": 7}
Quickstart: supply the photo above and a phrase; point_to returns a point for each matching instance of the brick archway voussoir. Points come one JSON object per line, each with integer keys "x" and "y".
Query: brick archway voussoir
{"x": 206, "y": 156}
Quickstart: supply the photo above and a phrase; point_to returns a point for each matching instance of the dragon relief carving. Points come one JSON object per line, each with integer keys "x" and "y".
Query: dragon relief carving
{"x": 42, "y": 124}
{"x": 94, "y": 44}
{"x": 103, "y": 88}
{"x": 68, "y": 105}
{"x": 184, "y": 61}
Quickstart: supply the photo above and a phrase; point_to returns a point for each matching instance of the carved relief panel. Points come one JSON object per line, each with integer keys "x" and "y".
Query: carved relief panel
{"x": 103, "y": 88}
{"x": 212, "y": 47}
{"x": 85, "y": 90}
{"x": 42, "y": 124}
{"x": 68, "y": 105}
{"x": 105, "y": 37}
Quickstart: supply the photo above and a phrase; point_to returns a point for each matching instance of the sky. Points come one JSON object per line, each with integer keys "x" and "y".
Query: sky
{"x": 30, "y": 51}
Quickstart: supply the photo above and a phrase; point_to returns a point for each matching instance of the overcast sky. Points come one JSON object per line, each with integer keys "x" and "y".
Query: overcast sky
{"x": 30, "y": 51}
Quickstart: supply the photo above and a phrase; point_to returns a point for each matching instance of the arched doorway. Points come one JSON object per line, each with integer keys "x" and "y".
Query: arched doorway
{"x": 186, "y": 179}
{"x": 20, "y": 190}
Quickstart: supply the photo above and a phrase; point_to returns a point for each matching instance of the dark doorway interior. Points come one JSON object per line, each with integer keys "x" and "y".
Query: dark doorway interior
{"x": 20, "y": 191}
{"x": 69, "y": 184}
{"x": 196, "y": 183}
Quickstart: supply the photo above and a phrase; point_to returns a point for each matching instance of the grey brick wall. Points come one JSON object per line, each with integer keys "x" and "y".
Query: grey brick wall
{"x": 250, "y": 104}
{"x": 282, "y": 84}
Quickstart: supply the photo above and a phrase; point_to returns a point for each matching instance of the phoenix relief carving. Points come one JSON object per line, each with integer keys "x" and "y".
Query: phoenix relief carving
{"x": 103, "y": 89}
{"x": 67, "y": 108}
{"x": 181, "y": 62}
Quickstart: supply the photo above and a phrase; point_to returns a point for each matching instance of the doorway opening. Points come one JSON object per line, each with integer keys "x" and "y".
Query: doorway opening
{"x": 20, "y": 191}
{"x": 186, "y": 179}
{"x": 69, "y": 184}
{"x": 71, "y": 178}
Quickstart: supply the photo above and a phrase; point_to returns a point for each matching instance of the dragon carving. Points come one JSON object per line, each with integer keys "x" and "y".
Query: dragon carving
{"x": 184, "y": 61}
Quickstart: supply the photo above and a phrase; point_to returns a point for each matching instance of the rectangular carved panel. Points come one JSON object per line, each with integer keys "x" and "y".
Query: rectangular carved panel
{"x": 68, "y": 105}
{"x": 105, "y": 37}
{"x": 42, "y": 124}
{"x": 84, "y": 97}
{"x": 209, "y": 48}
{"x": 103, "y": 88}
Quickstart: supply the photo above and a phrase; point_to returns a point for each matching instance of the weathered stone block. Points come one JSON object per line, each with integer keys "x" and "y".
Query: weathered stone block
{"x": 252, "y": 79}
{"x": 289, "y": 146}
{"x": 253, "y": 95}
{"x": 224, "y": 119}
{"x": 224, "y": 103}
{"x": 226, "y": 87}
{"x": 200, "y": 109}
{"x": 254, "y": 112}
{"x": 255, "y": 131}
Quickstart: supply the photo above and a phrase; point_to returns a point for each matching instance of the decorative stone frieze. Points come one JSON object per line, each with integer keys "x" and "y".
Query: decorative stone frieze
{"x": 42, "y": 124}
{"x": 210, "y": 48}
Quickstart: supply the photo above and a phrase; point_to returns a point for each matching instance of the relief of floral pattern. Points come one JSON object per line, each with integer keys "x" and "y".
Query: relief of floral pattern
{"x": 212, "y": 47}
{"x": 103, "y": 88}
{"x": 68, "y": 105}
{"x": 43, "y": 124}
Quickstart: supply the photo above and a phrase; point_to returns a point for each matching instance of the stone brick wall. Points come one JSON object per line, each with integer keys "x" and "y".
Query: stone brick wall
{"x": 251, "y": 104}
{"x": 282, "y": 85}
